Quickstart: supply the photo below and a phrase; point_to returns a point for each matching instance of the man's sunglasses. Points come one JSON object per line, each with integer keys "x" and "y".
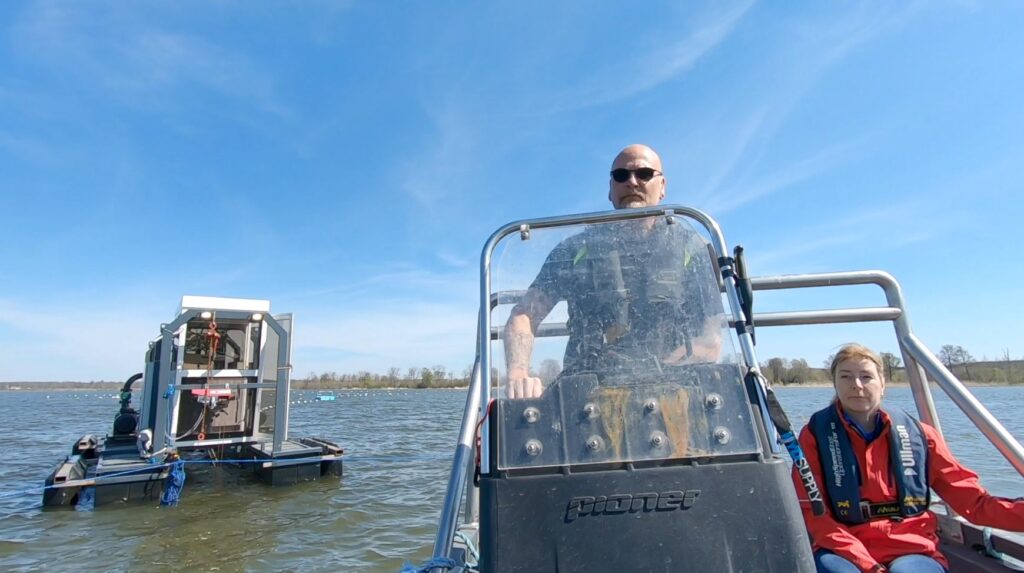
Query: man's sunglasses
{"x": 643, "y": 174}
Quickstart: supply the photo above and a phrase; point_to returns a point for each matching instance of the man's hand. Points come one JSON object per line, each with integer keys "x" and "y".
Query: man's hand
{"x": 678, "y": 357}
{"x": 524, "y": 387}
{"x": 704, "y": 348}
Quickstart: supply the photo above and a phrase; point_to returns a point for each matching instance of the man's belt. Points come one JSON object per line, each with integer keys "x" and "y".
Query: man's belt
{"x": 883, "y": 510}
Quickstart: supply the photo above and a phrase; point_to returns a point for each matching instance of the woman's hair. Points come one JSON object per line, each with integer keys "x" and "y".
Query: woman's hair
{"x": 858, "y": 352}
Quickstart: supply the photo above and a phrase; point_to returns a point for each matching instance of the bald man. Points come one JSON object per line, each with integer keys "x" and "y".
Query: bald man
{"x": 636, "y": 178}
{"x": 686, "y": 333}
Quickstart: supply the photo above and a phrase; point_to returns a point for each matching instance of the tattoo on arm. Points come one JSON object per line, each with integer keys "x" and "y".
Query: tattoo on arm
{"x": 518, "y": 344}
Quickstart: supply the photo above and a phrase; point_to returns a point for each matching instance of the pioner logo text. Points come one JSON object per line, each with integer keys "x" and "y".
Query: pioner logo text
{"x": 630, "y": 503}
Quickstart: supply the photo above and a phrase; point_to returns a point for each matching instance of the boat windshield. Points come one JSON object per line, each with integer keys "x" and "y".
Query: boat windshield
{"x": 631, "y": 355}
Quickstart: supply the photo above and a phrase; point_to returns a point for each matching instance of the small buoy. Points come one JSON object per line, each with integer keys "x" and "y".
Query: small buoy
{"x": 202, "y": 436}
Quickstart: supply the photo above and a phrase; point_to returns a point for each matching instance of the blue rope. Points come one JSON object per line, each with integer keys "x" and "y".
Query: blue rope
{"x": 433, "y": 563}
{"x": 168, "y": 394}
{"x": 175, "y": 481}
{"x": 87, "y": 499}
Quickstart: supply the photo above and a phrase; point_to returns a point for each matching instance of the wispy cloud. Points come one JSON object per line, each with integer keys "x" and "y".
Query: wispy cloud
{"x": 903, "y": 223}
{"x": 403, "y": 316}
{"x": 648, "y": 66}
{"x": 26, "y": 148}
{"x": 724, "y": 200}
{"x": 733, "y": 181}
{"x": 436, "y": 176}
{"x": 140, "y": 64}
{"x": 473, "y": 123}
{"x": 387, "y": 277}
{"x": 58, "y": 342}
{"x": 376, "y": 335}
{"x": 454, "y": 260}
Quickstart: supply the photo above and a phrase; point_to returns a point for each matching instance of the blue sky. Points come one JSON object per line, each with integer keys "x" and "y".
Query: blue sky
{"x": 347, "y": 160}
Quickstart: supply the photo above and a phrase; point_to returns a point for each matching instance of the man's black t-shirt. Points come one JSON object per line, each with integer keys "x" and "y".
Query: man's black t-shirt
{"x": 634, "y": 294}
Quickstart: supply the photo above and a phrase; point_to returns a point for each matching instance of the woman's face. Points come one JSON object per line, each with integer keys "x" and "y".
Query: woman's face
{"x": 859, "y": 386}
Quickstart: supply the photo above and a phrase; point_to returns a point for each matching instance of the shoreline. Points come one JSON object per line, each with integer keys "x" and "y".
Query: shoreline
{"x": 115, "y": 387}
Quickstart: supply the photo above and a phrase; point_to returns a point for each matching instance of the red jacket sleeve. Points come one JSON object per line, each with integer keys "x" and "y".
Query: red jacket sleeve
{"x": 960, "y": 488}
{"x": 827, "y": 533}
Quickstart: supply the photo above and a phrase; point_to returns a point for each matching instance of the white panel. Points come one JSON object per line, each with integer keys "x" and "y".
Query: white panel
{"x": 189, "y": 302}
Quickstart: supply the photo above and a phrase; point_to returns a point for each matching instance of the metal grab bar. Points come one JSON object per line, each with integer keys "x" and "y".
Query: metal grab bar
{"x": 830, "y": 316}
{"x": 996, "y": 433}
{"x": 914, "y": 353}
{"x": 464, "y": 452}
{"x": 901, "y": 323}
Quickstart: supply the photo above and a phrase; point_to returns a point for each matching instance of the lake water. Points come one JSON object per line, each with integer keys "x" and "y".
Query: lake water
{"x": 381, "y": 513}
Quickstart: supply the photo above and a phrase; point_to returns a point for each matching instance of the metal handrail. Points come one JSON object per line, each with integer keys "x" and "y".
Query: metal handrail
{"x": 465, "y": 450}
{"x": 990, "y": 427}
{"x": 893, "y": 296}
{"x": 831, "y": 316}
{"x": 918, "y": 358}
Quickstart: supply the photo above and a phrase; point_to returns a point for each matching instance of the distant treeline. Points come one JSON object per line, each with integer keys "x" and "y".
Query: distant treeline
{"x": 958, "y": 360}
{"x": 435, "y": 377}
{"x": 95, "y": 385}
{"x": 781, "y": 371}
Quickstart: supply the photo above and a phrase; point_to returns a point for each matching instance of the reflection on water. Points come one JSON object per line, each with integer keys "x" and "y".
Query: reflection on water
{"x": 381, "y": 513}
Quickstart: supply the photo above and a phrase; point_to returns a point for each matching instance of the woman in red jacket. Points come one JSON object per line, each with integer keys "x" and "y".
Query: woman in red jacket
{"x": 875, "y": 469}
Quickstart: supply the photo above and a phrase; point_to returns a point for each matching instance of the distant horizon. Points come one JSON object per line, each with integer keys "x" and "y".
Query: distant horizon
{"x": 1018, "y": 365}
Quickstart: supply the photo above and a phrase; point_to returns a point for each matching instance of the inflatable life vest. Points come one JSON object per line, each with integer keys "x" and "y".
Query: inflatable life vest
{"x": 908, "y": 451}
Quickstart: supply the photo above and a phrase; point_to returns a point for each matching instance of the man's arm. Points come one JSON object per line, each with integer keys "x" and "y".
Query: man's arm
{"x": 518, "y": 338}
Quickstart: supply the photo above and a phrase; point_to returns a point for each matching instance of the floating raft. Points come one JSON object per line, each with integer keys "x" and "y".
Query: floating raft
{"x": 216, "y": 387}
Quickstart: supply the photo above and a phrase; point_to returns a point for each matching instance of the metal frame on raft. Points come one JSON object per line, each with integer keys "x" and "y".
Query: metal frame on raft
{"x": 166, "y": 372}
{"x": 920, "y": 362}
